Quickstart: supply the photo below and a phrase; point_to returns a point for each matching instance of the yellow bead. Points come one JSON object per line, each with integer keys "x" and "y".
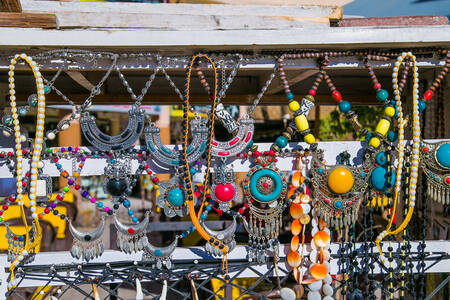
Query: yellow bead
{"x": 374, "y": 142}
{"x": 389, "y": 111}
{"x": 383, "y": 127}
{"x": 309, "y": 138}
{"x": 301, "y": 122}
{"x": 294, "y": 106}
{"x": 340, "y": 180}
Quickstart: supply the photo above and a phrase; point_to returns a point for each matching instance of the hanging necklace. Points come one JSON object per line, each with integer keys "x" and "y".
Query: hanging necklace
{"x": 31, "y": 242}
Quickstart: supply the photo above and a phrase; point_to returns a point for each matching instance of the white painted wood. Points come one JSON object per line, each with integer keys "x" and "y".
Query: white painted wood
{"x": 63, "y": 258}
{"x": 95, "y": 166}
{"x": 331, "y": 38}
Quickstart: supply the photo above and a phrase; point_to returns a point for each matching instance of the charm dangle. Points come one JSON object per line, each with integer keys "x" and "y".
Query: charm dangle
{"x": 168, "y": 157}
{"x": 265, "y": 190}
{"x": 172, "y": 198}
{"x": 16, "y": 244}
{"x": 224, "y": 190}
{"x": 122, "y": 141}
{"x": 435, "y": 163}
{"x": 161, "y": 255}
{"x": 87, "y": 245}
{"x": 226, "y": 236}
{"x": 130, "y": 238}
{"x": 117, "y": 182}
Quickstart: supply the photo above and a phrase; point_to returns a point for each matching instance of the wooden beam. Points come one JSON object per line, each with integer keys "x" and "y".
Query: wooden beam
{"x": 80, "y": 79}
{"x": 163, "y": 99}
{"x": 10, "y": 6}
{"x": 27, "y": 20}
{"x": 295, "y": 79}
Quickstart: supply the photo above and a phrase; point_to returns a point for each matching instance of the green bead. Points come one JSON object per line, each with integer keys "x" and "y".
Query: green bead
{"x": 1, "y": 219}
{"x": 49, "y": 150}
{"x": 66, "y": 189}
{"x": 382, "y": 95}
{"x": 281, "y": 141}
{"x": 46, "y": 89}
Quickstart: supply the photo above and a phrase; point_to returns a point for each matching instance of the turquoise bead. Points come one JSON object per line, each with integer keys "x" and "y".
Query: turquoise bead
{"x": 135, "y": 219}
{"x": 443, "y": 155}
{"x": 379, "y": 179}
{"x": 254, "y": 185}
{"x": 176, "y": 197}
{"x": 46, "y": 89}
{"x": 392, "y": 136}
{"x": 362, "y": 174}
{"x": 250, "y": 144}
{"x": 381, "y": 158}
{"x": 281, "y": 141}
{"x": 158, "y": 252}
{"x": 368, "y": 136}
{"x": 422, "y": 105}
{"x": 382, "y": 95}
{"x": 338, "y": 204}
{"x": 193, "y": 171}
{"x": 290, "y": 96}
{"x": 100, "y": 204}
{"x": 320, "y": 170}
{"x": 344, "y": 106}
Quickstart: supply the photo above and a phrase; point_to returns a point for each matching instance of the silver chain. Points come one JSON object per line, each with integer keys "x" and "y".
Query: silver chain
{"x": 261, "y": 93}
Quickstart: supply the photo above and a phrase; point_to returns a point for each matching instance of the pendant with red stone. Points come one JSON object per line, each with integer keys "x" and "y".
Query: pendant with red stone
{"x": 224, "y": 190}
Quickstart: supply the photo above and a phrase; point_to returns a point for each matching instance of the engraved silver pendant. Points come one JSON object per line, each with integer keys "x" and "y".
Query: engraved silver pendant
{"x": 130, "y": 237}
{"x": 122, "y": 141}
{"x": 435, "y": 163}
{"x": 226, "y": 236}
{"x": 16, "y": 244}
{"x": 224, "y": 190}
{"x": 240, "y": 141}
{"x": 87, "y": 245}
{"x": 162, "y": 256}
{"x": 117, "y": 181}
{"x": 172, "y": 198}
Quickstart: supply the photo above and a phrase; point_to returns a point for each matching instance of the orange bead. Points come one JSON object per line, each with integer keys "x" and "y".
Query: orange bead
{"x": 295, "y": 242}
{"x": 296, "y": 227}
{"x": 321, "y": 239}
{"x": 296, "y": 273}
{"x": 318, "y": 271}
{"x": 291, "y": 192}
{"x": 296, "y": 210}
{"x": 294, "y": 259}
{"x": 297, "y": 179}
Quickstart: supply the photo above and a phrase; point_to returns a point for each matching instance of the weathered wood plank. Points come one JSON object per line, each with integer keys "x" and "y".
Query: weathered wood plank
{"x": 395, "y": 21}
{"x": 27, "y": 20}
{"x": 241, "y": 99}
{"x": 10, "y": 6}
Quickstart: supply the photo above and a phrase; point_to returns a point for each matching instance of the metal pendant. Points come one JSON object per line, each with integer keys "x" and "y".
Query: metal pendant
{"x": 265, "y": 189}
{"x": 162, "y": 256}
{"x": 238, "y": 143}
{"x": 226, "y": 119}
{"x": 168, "y": 157}
{"x": 87, "y": 245}
{"x": 172, "y": 198}
{"x": 16, "y": 244}
{"x": 226, "y": 236}
{"x": 338, "y": 189}
{"x": 117, "y": 182}
{"x": 224, "y": 190}
{"x": 130, "y": 237}
{"x": 122, "y": 141}
{"x": 435, "y": 163}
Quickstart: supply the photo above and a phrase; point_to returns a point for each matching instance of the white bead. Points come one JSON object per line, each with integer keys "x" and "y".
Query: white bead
{"x": 287, "y": 294}
{"x": 16, "y": 263}
{"x": 40, "y": 165}
{"x": 32, "y": 203}
{"x": 20, "y": 258}
{"x": 23, "y": 138}
{"x": 51, "y": 135}
{"x": 328, "y": 279}
{"x": 33, "y": 177}
{"x": 306, "y": 208}
{"x": 315, "y": 286}
{"x": 327, "y": 290}
{"x": 33, "y": 209}
{"x": 25, "y": 252}
{"x": 328, "y": 298}
{"x": 412, "y": 204}
{"x": 34, "y": 216}
{"x": 314, "y": 296}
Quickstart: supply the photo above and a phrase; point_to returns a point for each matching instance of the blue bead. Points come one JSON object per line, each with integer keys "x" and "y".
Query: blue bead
{"x": 443, "y": 155}
{"x": 100, "y": 204}
{"x": 69, "y": 148}
{"x": 382, "y": 95}
{"x": 113, "y": 160}
{"x": 203, "y": 216}
{"x": 46, "y": 89}
{"x": 344, "y": 106}
{"x": 250, "y": 144}
{"x": 281, "y": 141}
{"x": 368, "y": 136}
{"x": 338, "y": 204}
{"x": 193, "y": 171}
{"x": 208, "y": 207}
{"x": 58, "y": 166}
{"x": 126, "y": 203}
{"x": 362, "y": 174}
{"x": 290, "y": 96}
{"x": 379, "y": 178}
{"x": 192, "y": 229}
{"x": 320, "y": 170}
{"x": 176, "y": 197}
{"x": 392, "y": 136}
{"x": 21, "y": 238}
{"x": 135, "y": 219}
{"x": 381, "y": 158}
{"x": 184, "y": 234}
{"x": 130, "y": 212}
{"x": 158, "y": 252}
{"x": 422, "y": 105}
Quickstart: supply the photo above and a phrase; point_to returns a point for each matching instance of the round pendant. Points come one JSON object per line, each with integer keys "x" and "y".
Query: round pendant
{"x": 265, "y": 185}
{"x": 176, "y": 197}
{"x": 340, "y": 180}
{"x": 443, "y": 155}
{"x": 379, "y": 179}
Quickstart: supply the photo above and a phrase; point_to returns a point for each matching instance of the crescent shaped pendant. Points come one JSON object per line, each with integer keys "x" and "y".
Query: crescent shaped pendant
{"x": 173, "y": 158}
{"x": 226, "y": 236}
{"x": 135, "y": 229}
{"x": 122, "y": 141}
{"x": 87, "y": 236}
{"x": 160, "y": 252}
{"x": 238, "y": 143}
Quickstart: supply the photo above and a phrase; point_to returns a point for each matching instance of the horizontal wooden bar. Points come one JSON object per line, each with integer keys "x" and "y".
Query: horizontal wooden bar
{"x": 27, "y": 20}
{"x": 395, "y": 21}
{"x": 10, "y": 6}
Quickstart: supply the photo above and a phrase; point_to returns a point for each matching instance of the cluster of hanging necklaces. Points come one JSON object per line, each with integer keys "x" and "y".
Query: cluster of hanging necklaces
{"x": 324, "y": 200}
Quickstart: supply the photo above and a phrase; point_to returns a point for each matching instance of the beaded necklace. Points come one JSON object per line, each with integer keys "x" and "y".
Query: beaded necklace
{"x": 29, "y": 246}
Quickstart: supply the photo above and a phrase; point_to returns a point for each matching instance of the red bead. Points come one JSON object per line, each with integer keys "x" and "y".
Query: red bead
{"x": 377, "y": 86}
{"x": 258, "y": 160}
{"x": 15, "y": 237}
{"x": 24, "y": 151}
{"x": 224, "y": 192}
{"x": 245, "y": 155}
{"x": 1, "y": 212}
{"x": 155, "y": 180}
{"x": 219, "y": 211}
{"x": 47, "y": 210}
{"x": 425, "y": 149}
{"x": 264, "y": 165}
{"x": 312, "y": 92}
{"x": 5, "y": 207}
{"x": 11, "y": 198}
{"x": 337, "y": 96}
{"x": 428, "y": 95}
{"x": 245, "y": 205}
{"x": 24, "y": 184}
{"x": 77, "y": 186}
{"x": 256, "y": 153}
{"x": 149, "y": 172}
{"x": 56, "y": 159}
{"x": 269, "y": 160}
{"x": 9, "y": 153}
{"x": 447, "y": 180}
{"x": 40, "y": 216}
{"x": 27, "y": 174}
{"x": 130, "y": 230}
{"x": 241, "y": 211}
{"x": 147, "y": 166}
{"x": 59, "y": 197}
{"x": 197, "y": 194}
{"x": 238, "y": 155}
{"x": 271, "y": 153}
{"x": 276, "y": 160}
